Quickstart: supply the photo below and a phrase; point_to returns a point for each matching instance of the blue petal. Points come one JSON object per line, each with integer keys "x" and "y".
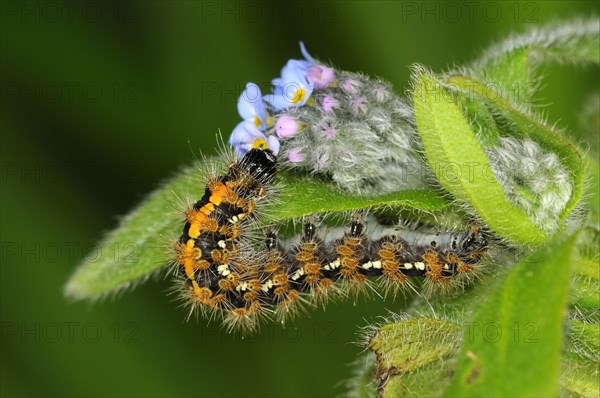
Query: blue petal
{"x": 306, "y": 54}
{"x": 273, "y": 144}
{"x": 284, "y": 95}
{"x": 276, "y": 82}
{"x": 243, "y": 137}
{"x": 247, "y": 100}
{"x": 250, "y": 104}
{"x": 295, "y": 66}
{"x": 293, "y": 76}
{"x": 279, "y": 101}
{"x": 294, "y": 70}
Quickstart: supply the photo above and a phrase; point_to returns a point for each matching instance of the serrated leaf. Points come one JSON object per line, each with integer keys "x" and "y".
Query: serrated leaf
{"x": 139, "y": 246}
{"x": 461, "y": 166}
{"x": 529, "y": 126}
{"x": 412, "y": 356}
{"x": 512, "y": 345}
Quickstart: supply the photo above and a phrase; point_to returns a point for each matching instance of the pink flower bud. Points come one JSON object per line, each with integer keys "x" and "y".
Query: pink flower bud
{"x": 350, "y": 86}
{"x": 359, "y": 105}
{"x": 286, "y": 126}
{"x": 329, "y": 103}
{"x": 329, "y": 132}
{"x": 295, "y": 155}
{"x": 321, "y": 76}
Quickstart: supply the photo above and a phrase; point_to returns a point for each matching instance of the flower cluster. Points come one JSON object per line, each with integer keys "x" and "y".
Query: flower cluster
{"x": 325, "y": 120}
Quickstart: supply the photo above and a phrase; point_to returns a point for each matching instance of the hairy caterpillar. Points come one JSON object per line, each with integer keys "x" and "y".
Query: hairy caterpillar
{"x": 225, "y": 275}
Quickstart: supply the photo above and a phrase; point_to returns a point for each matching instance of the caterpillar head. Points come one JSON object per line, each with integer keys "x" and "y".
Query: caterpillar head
{"x": 473, "y": 240}
{"x": 260, "y": 164}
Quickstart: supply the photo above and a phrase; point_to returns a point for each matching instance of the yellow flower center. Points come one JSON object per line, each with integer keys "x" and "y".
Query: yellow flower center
{"x": 299, "y": 96}
{"x": 260, "y": 143}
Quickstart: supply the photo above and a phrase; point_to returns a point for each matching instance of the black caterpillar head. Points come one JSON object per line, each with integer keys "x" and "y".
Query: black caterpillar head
{"x": 473, "y": 240}
{"x": 260, "y": 164}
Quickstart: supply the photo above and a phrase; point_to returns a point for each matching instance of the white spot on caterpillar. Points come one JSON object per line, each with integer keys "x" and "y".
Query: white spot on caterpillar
{"x": 298, "y": 274}
{"x": 420, "y": 266}
{"x": 408, "y": 265}
{"x": 377, "y": 264}
{"x": 223, "y": 269}
{"x": 267, "y": 285}
{"x": 446, "y": 266}
{"x": 222, "y": 244}
{"x": 335, "y": 264}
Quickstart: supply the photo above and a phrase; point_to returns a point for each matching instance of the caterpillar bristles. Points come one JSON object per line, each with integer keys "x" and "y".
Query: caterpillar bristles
{"x": 394, "y": 287}
{"x": 291, "y": 308}
{"x": 228, "y": 270}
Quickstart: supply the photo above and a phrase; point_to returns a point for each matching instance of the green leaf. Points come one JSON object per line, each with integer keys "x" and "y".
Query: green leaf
{"x": 593, "y": 176}
{"x": 527, "y": 125}
{"x": 461, "y": 166}
{"x": 588, "y": 267}
{"x": 360, "y": 383}
{"x": 576, "y": 41}
{"x": 301, "y": 195}
{"x": 512, "y": 345}
{"x": 585, "y": 293}
{"x": 585, "y": 338}
{"x": 412, "y": 356}
{"x": 579, "y": 378}
{"x": 583, "y": 328}
{"x": 140, "y": 245}
{"x": 585, "y": 296}
{"x": 510, "y": 74}
{"x": 503, "y": 77}
{"x": 509, "y": 64}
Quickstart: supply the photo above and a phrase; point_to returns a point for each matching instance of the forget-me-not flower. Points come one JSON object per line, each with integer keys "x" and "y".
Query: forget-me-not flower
{"x": 247, "y": 136}
{"x": 252, "y": 108}
{"x": 292, "y": 88}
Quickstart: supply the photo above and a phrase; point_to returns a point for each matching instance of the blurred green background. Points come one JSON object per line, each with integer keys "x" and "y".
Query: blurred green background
{"x": 101, "y": 101}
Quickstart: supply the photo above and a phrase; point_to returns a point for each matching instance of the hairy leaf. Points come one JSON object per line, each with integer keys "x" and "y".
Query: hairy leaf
{"x": 509, "y": 65}
{"x": 457, "y": 158}
{"x": 579, "y": 378}
{"x": 512, "y": 345}
{"x": 412, "y": 356}
{"x": 527, "y": 125}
